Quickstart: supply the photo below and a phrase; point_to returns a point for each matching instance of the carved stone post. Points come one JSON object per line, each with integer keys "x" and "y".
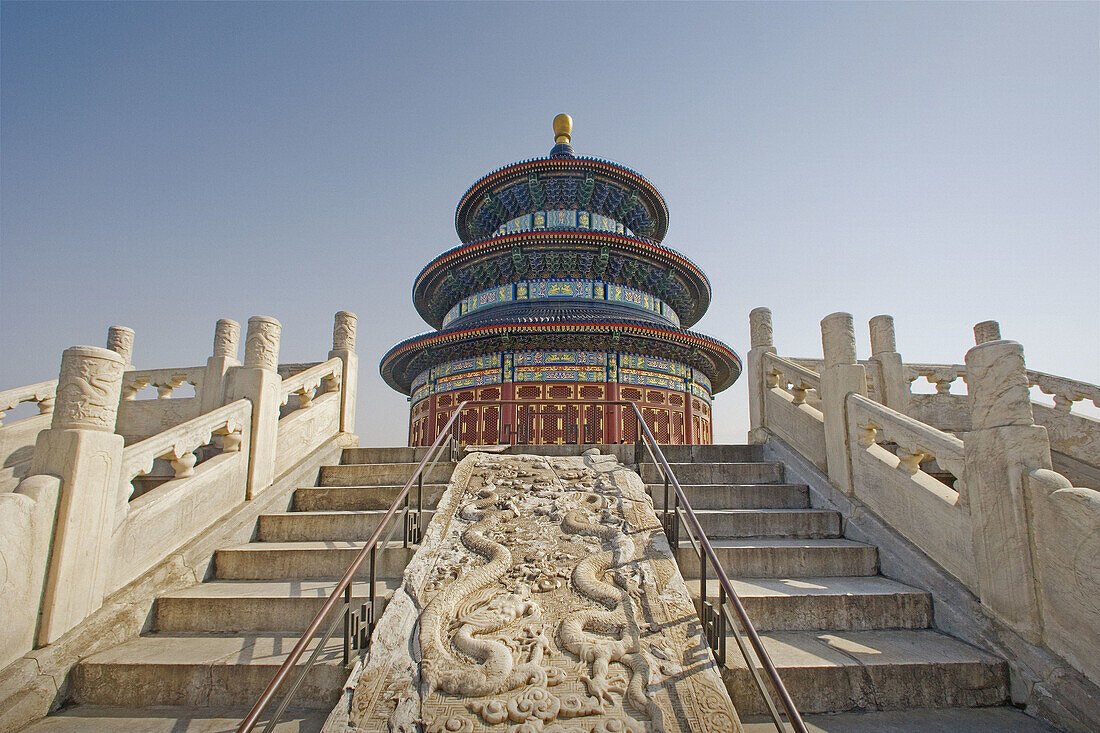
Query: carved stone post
{"x": 82, "y": 449}
{"x": 986, "y": 331}
{"x": 1003, "y": 446}
{"x": 258, "y": 380}
{"x": 840, "y": 376}
{"x": 343, "y": 347}
{"x": 760, "y": 340}
{"x": 227, "y": 334}
{"x": 121, "y": 341}
{"x": 887, "y": 368}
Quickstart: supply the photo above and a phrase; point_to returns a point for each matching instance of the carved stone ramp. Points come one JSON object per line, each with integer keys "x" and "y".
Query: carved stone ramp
{"x": 544, "y": 598}
{"x": 212, "y": 648}
{"x": 843, "y": 637}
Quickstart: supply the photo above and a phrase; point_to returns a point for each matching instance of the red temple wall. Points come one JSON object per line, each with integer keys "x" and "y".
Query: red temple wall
{"x": 563, "y": 412}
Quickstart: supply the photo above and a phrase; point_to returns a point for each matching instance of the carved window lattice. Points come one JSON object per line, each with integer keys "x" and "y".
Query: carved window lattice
{"x": 697, "y": 429}
{"x": 657, "y": 398}
{"x": 552, "y": 417}
{"x": 676, "y": 400}
{"x": 704, "y": 409}
{"x": 466, "y": 394}
{"x": 630, "y": 425}
{"x": 491, "y": 425}
{"x": 661, "y": 429}
{"x": 696, "y": 404}
{"x": 524, "y": 426}
{"x": 630, "y": 393}
{"x": 650, "y": 417}
{"x": 560, "y": 392}
{"x": 444, "y": 400}
{"x": 441, "y": 419}
{"x": 469, "y": 432}
{"x": 529, "y": 392}
{"x": 591, "y": 392}
{"x": 677, "y": 428}
{"x": 571, "y": 425}
{"x": 593, "y": 424}
{"x": 489, "y": 393}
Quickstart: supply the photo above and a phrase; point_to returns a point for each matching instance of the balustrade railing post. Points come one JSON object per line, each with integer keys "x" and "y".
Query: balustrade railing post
{"x": 841, "y": 376}
{"x": 1003, "y": 446}
{"x": 258, "y": 381}
{"x": 82, "y": 449}
{"x": 986, "y": 331}
{"x": 120, "y": 340}
{"x": 343, "y": 347}
{"x": 227, "y": 334}
{"x": 887, "y": 370}
{"x": 760, "y": 338}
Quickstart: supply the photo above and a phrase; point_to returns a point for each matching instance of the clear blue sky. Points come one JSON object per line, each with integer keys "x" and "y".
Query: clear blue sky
{"x": 165, "y": 165}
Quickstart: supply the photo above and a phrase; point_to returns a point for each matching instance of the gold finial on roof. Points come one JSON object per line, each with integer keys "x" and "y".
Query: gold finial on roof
{"x": 563, "y": 128}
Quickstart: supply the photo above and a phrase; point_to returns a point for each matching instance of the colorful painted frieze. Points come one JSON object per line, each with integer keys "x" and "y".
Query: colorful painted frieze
{"x": 461, "y": 381}
{"x": 654, "y": 364}
{"x": 563, "y": 373}
{"x": 699, "y": 392}
{"x": 564, "y": 357}
{"x": 650, "y": 379}
{"x": 699, "y": 378}
{"x": 485, "y": 361}
{"x": 420, "y": 393}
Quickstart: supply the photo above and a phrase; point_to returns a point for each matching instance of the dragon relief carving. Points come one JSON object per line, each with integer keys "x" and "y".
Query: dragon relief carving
{"x": 535, "y": 611}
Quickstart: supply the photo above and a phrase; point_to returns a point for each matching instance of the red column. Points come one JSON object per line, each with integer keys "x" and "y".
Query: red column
{"x": 689, "y": 432}
{"x": 431, "y": 431}
{"x": 613, "y": 416}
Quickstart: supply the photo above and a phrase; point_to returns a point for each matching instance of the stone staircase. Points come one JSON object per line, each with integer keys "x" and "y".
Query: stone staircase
{"x": 843, "y": 637}
{"x": 213, "y": 648}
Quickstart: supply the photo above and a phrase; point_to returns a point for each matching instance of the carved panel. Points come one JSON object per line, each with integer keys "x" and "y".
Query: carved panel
{"x": 544, "y": 598}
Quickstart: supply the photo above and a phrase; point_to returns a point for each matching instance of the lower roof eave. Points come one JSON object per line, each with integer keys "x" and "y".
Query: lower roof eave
{"x": 718, "y": 361}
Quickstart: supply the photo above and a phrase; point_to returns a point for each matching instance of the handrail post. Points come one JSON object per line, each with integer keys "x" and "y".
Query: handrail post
{"x": 419, "y": 507}
{"x": 347, "y": 626}
{"x": 373, "y": 580}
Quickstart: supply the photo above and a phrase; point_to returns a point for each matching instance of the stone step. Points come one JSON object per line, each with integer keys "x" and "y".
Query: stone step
{"x": 203, "y": 670}
{"x": 397, "y": 454}
{"x": 256, "y": 605}
{"x": 738, "y": 496}
{"x": 381, "y": 474}
{"x": 97, "y": 718}
{"x": 923, "y": 720}
{"x": 711, "y": 453}
{"x": 330, "y": 525}
{"x": 784, "y": 558}
{"x": 757, "y": 472}
{"x": 359, "y": 498}
{"x": 815, "y": 604}
{"x": 288, "y": 560}
{"x": 731, "y": 523}
{"x": 871, "y": 670}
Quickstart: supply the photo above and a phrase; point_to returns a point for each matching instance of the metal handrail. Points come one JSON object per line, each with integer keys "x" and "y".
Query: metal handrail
{"x": 682, "y": 512}
{"x": 691, "y": 520}
{"x": 342, "y": 587}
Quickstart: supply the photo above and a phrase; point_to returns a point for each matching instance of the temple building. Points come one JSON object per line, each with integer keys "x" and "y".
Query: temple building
{"x": 561, "y": 297}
